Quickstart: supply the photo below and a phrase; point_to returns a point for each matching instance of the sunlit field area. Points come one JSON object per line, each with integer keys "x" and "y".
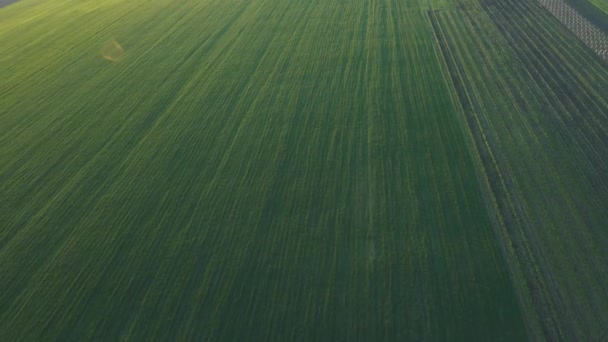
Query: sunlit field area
{"x": 301, "y": 170}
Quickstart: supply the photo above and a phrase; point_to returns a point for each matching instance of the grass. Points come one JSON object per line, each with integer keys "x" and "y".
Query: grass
{"x": 601, "y": 4}
{"x": 539, "y": 140}
{"x": 271, "y": 170}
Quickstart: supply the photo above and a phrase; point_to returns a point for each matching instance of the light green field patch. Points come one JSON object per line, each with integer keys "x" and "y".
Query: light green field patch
{"x": 601, "y": 4}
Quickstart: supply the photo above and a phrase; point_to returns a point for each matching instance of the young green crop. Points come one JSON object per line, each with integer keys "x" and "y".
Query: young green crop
{"x": 278, "y": 170}
{"x": 537, "y": 116}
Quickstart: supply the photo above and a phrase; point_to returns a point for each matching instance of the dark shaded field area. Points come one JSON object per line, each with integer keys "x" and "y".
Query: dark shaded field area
{"x": 545, "y": 86}
{"x": 591, "y": 12}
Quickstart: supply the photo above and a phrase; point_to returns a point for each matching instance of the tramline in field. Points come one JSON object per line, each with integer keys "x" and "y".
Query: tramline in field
{"x": 301, "y": 170}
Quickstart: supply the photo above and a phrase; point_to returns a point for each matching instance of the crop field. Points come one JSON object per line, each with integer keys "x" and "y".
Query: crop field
{"x": 541, "y": 142}
{"x": 584, "y": 29}
{"x": 319, "y": 170}
{"x": 601, "y": 4}
{"x": 594, "y": 11}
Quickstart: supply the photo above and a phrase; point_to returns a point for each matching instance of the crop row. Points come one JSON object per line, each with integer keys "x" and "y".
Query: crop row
{"x": 523, "y": 93}
{"x": 262, "y": 170}
{"x": 495, "y": 171}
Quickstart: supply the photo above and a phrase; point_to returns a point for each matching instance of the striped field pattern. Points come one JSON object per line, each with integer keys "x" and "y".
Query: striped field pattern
{"x": 533, "y": 99}
{"x": 321, "y": 170}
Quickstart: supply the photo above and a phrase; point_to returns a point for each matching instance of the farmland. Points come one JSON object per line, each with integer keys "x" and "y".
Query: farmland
{"x": 601, "y": 4}
{"x": 595, "y": 11}
{"x": 584, "y": 29}
{"x": 300, "y": 170}
{"x": 527, "y": 164}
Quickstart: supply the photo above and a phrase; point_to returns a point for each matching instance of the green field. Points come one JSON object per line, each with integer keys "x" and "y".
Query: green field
{"x": 601, "y": 4}
{"x": 320, "y": 170}
{"x": 539, "y": 110}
